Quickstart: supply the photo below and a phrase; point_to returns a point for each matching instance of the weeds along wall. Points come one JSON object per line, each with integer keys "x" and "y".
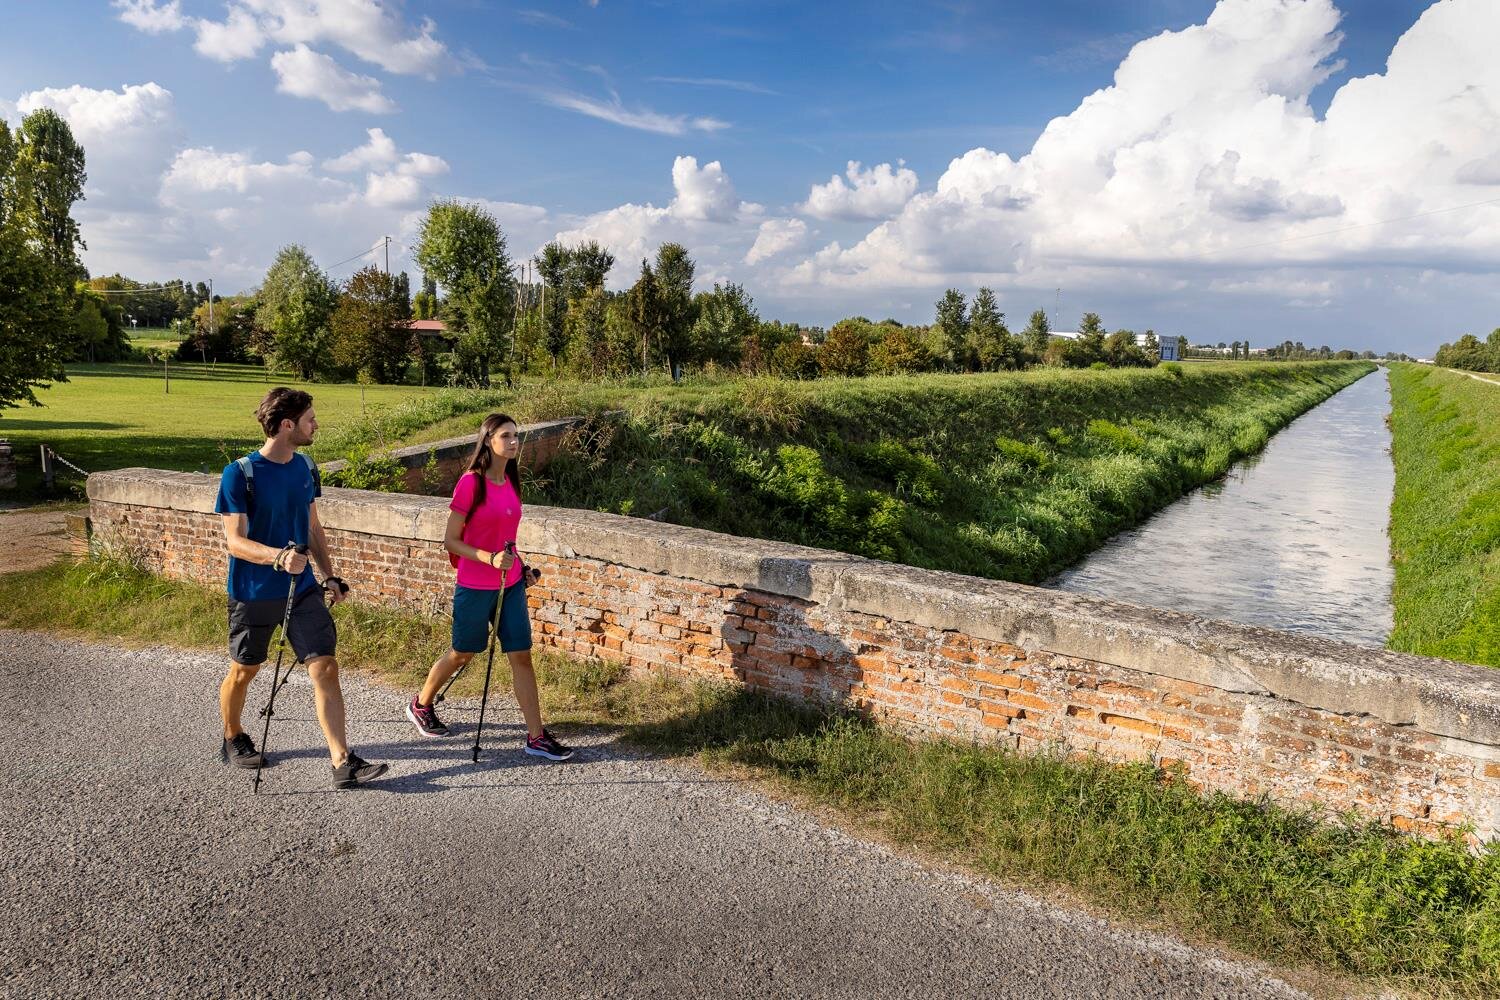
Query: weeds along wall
{"x": 1248, "y": 711}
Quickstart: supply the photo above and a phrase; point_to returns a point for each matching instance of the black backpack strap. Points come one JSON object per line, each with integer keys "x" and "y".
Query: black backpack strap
{"x": 313, "y": 468}
{"x": 248, "y": 468}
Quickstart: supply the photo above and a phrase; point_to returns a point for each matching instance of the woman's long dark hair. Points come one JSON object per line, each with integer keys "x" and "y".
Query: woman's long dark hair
{"x": 480, "y": 461}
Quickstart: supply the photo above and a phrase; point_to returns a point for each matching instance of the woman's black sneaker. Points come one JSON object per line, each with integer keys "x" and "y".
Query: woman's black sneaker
{"x": 240, "y": 752}
{"x": 425, "y": 718}
{"x": 355, "y": 771}
{"x": 545, "y": 746}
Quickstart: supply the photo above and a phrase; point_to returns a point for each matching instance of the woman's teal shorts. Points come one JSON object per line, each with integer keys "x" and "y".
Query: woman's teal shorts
{"x": 473, "y": 611}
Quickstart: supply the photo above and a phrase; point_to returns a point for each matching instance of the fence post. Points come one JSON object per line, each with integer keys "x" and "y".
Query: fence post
{"x": 47, "y": 472}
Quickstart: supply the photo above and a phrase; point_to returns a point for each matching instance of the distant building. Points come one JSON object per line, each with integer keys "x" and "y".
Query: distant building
{"x": 434, "y": 329}
{"x": 1166, "y": 347}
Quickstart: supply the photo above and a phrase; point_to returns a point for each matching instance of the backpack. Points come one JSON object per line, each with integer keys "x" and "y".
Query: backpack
{"x": 248, "y": 468}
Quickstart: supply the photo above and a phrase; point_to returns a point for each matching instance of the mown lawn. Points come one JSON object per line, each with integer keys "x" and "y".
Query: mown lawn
{"x": 1445, "y": 518}
{"x": 112, "y": 416}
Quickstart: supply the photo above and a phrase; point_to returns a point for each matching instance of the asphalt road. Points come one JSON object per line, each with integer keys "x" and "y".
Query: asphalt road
{"x": 136, "y": 865}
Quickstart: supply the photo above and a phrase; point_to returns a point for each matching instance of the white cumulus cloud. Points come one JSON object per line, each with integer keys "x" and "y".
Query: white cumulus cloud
{"x": 703, "y": 211}
{"x": 374, "y": 31}
{"x": 776, "y": 236}
{"x": 703, "y": 193}
{"x": 877, "y": 193}
{"x": 303, "y": 72}
{"x": 1205, "y": 153}
{"x": 151, "y": 17}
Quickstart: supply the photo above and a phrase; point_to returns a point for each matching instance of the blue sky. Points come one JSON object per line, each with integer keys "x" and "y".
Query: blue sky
{"x": 1172, "y": 196}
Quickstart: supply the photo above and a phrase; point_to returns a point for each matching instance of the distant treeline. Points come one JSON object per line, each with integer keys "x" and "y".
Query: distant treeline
{"x": 1472, "y": 354}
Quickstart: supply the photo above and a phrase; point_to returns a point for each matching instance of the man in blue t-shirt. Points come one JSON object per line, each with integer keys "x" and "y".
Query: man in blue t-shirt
{"x": 268, "y": 500}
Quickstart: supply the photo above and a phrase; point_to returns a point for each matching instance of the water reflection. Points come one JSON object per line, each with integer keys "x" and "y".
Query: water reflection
{"x": 1294, "y": 538}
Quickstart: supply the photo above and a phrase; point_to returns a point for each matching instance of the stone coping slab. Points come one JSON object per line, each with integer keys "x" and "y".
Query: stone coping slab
{"x": 415, "y": 456}
{"x": 1453, "y": 700}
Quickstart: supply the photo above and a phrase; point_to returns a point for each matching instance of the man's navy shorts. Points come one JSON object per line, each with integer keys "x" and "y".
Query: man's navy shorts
{"x": 311, "y": 631}
{"x": 474, "y": 609}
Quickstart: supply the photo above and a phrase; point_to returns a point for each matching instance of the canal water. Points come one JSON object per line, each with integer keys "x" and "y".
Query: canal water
{"x": 1295, "y": 538}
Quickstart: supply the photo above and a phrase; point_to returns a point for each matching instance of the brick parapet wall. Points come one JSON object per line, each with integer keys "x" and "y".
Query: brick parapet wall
{"x": 1408, "y": 740}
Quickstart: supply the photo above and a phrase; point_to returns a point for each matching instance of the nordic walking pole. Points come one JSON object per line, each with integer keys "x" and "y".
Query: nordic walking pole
{"x": 269, "y": 710}
{"x": 494, "y": 638}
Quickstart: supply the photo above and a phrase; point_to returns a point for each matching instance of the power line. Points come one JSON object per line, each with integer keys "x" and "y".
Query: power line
{"x": 357, "y": 256}
{"x": 140, "y": 291}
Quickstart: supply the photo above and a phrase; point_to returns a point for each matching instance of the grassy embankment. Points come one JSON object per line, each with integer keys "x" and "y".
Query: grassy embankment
{"x": 1445, "y": 519}
{"x": 1009, "y": 476}
{"x": 1350, "y": 899}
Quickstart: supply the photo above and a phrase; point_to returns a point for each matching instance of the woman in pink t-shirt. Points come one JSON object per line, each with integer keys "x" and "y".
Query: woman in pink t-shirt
{"x": 482, "y": 523}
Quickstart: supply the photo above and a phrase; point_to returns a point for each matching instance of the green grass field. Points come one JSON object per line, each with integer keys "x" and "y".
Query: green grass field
{"x": 1445, "y": 518}
{"x": 147, "y": 337}
{"x": 120, "y": 415}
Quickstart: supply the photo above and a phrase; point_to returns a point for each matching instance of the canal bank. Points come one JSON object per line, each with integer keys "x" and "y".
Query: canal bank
{"x": 1445, "y": 521}
{"x": 1294, "y": 537}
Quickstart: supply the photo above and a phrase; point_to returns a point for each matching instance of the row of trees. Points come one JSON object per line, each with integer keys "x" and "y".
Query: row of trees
{"x": 1472, "y": 354}
{"x": 41, "y": 177}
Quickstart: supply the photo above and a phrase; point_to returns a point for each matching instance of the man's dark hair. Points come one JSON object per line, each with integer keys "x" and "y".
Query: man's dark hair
{"x": 281, "y": 404}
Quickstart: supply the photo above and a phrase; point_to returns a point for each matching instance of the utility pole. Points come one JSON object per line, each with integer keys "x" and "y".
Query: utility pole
{"x": 387, "y": 255}
{"x": 211, "y": 329}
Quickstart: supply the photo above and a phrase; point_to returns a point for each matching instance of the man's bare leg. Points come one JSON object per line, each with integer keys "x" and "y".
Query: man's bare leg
{"x": 328, "y": 697}
{"x": 232, "y": 694}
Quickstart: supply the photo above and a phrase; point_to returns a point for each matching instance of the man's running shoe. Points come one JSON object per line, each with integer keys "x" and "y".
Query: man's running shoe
{"x": 240, "y": 752}
{"x": 425, "y": 718}
{"x": 545, "y": 746}
{"x": 356, "y": 771}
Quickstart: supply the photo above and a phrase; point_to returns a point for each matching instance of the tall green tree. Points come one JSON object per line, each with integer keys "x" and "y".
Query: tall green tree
{"x": 588, "y": 317}
{"x": 49, "y": 169}
{"x": 1088, "y": 348}
{"x": 647, "y": 312}
{"x": 674, "y": 278}
{"x": 846, "y": 350}
{"x": 460, "y": 246}
{"x": 993, "y": 344}
{"x": 554, "y": 265}
{"x": 36, "y": 294}
{"x": 953, "y": 328}
{"x": 368, "y": 331}
{"x": 898, "y": 351}
{"x": 1038, "y": 334}
{"x": 588, "y": 266}
{"x": 296, "y": 302}
{"x": 725, "y": 323}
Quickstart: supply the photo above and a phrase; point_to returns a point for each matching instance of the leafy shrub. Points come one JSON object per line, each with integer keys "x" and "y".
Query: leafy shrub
{"x": 366, "y": 471}
{"x": 914, "y": 475}
{"x": 1028, "y": 455}
{"x": 1115, "y": 436}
